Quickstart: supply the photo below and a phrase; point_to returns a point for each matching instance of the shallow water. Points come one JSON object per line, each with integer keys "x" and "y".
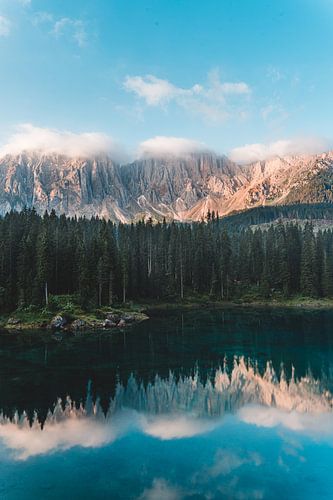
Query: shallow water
{"x": 206, "y": 404}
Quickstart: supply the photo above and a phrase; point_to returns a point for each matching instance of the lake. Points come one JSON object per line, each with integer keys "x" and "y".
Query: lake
{"x": 202, "y": 404}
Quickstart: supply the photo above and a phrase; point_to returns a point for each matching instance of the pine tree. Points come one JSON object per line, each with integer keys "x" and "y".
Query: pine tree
{"x": 308, "y": 279}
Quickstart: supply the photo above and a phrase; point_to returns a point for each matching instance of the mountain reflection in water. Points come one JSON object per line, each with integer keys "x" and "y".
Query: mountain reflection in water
{"x": 208, "y": 404}
{"x": 175, "y": 408}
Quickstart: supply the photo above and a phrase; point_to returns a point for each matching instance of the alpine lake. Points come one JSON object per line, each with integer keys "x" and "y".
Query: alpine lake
{"x": 213, "y": 403}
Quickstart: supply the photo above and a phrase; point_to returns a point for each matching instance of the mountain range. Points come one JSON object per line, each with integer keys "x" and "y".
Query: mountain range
{"x": 177, "y": 188}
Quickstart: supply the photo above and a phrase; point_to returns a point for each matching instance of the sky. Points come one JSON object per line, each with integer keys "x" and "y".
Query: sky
{"x": 244, "y": 78}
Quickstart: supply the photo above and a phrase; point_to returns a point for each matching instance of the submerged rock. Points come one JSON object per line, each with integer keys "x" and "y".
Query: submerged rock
{"x": 57, "y": 336}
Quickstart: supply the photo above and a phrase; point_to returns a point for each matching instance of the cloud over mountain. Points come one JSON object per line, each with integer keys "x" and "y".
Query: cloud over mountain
{"x": 286, "y": 147}
{"x": 49, "y": 141}
{"x": 169, "y": 146}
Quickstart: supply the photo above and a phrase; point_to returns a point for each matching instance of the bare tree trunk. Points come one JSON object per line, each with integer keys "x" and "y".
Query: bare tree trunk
{"x": 222, "y": 287}
{"x": 110, "y": 289}
{"x": 56, "y": 262}
{"x": 46, "y": 295}
{"x": 149, "y": 258}
{"x": 100, "y": 294}
{"x": 212, "y": 280}
{"x": 124, "y": 290}
{"x": 181, "y": 278}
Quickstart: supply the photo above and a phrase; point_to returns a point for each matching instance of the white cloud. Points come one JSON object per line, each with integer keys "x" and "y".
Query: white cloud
{"x": 286, "y": 147}
{"x": 228, "y": 461}
{"x": 318, "y": 425}
{"x": 91, "y": 432}
{"x": 5, "y": 26}
{"x": 41, "y": 17}
{"x": 267, "y": 111}
{"x": 88, "y": 432}
{"x": 161, "y": 490}
{"x": 156, "y": 91}
{"x": 218, "y": 90}
{"x": 76, "y": 428}
{"x": 169, "y": 146}
{"x": 73, "y": 27}
{"x": 177, "y": 426}
{"x": 274, "y": 114}
{"x": 275, "y": 74}
{"x": 213, "y": 101}
{"x": 30, "y": 138}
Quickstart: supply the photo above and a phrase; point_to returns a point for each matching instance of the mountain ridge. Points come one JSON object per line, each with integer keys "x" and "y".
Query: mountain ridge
{"x": 176, "y": 188}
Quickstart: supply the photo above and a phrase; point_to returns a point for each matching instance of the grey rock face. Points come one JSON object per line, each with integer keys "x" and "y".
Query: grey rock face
{"x": 174, "y": 188}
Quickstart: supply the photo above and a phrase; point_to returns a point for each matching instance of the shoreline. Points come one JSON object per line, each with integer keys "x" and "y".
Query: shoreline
{"x": 310, "y": 305}
{"x": 124, "y": 317}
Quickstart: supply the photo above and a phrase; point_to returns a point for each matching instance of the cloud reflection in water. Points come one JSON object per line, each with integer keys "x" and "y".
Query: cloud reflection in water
{"x": 169, "y": 409}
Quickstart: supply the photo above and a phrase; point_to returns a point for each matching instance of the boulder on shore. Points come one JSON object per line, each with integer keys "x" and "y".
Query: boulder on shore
{"x": 129, "y": 318}
{"x": 114, "y": 317}
{"x": 108, "y": 323}
{"x": 58, "y": 322}
{"x": 122, "y": 323}
{"x": 13, "y": 321}
{"x": 78, "y": 324}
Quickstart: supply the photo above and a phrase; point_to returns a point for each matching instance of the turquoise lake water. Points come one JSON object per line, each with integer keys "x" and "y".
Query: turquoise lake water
{"x": 206, "y": 404}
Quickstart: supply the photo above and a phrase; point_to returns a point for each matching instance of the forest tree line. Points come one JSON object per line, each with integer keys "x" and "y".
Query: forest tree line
{"x": 103, "y": 263}
{"x": 269, "y": 213}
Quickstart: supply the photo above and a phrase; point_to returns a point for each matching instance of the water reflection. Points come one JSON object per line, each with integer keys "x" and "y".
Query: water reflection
{"x": 175, "y": 408}
{"x": 205, "y": 426}
{"x": 35, "y": 370}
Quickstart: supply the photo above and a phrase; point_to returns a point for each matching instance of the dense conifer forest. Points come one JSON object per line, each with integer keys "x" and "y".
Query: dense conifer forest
{"x": 267, "y": 214}
{"x": 102, "y": 263}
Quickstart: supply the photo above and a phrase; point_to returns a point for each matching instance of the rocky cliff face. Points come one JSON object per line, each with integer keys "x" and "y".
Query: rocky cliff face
{"x": 175, "y": 188}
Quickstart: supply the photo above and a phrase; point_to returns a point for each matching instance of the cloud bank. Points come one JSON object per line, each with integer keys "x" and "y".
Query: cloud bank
{"x": 169, "y": 146}
{"x": 23, "y": 441}
{"x": 314, "y": 424}
{"x": 286, "y": 147}
{"x": 29, "y": 138}
{"x": 91, "y": 432}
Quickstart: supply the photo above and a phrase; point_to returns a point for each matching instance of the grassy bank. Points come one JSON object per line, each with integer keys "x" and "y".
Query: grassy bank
{"x": 192, "y": 304}
{"x": 64, "y": 306}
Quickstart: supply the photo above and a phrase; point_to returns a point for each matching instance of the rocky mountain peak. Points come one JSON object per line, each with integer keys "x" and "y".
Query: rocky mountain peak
{"x": 180, "y": 188}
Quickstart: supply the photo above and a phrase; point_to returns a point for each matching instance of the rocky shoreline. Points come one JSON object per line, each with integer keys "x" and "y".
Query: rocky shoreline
{"x": 112, "y": 320}
{"x": 120, "y": 318}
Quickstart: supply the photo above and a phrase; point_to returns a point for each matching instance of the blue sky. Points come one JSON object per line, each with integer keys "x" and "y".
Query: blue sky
{"x": 225, "y": 73}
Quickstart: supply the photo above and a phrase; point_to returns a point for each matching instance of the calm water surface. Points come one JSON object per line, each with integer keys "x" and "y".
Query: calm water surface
{"x": 206, "y": 404}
